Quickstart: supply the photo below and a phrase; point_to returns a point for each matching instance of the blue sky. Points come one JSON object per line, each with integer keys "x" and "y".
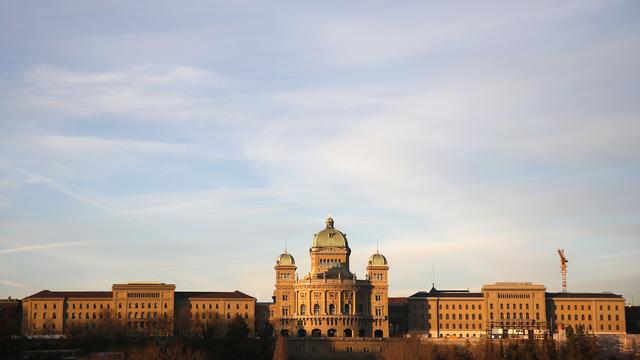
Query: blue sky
{"x": 184, "y": 143}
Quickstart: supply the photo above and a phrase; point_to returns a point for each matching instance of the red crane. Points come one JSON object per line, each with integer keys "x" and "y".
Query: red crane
{"x": 563, "y": 269}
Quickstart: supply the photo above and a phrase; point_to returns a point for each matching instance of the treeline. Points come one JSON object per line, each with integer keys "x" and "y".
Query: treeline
{"x": 579, "y": 346}
{"x": 234, "y": 344}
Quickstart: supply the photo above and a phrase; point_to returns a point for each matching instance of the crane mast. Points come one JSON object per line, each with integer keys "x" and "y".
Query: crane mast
{"x": 563, "y": 269}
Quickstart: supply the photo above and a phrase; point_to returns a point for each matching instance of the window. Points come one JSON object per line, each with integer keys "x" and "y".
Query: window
{"x": 303, "y": 309}
{"x": 316, "y": 309}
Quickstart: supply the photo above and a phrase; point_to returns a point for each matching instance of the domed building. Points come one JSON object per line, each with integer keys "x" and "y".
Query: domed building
{"x": 330, "y": 300}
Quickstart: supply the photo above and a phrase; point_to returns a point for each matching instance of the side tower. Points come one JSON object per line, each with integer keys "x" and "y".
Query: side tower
{"x": 377, "y": 273}
{"x": 283, "y": 306}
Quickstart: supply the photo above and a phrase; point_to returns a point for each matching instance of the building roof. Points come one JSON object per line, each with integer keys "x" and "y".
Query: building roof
{"x": 330, "y": 237}
{"x": 446, "y": 294}
{"x": 397, "y": 300}
{"x": 377, "y": 259}
{"x": 212, "y": 295}
{"x": 569, "y": 295}
{"x": 48, "y": 294}
{"x": 285, "y": 259}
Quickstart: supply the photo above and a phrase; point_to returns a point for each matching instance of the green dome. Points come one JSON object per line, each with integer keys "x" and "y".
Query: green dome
{"x": 285, "y": 259}
{"x": 330, "y": 237}
{"x": 377, "y": 259}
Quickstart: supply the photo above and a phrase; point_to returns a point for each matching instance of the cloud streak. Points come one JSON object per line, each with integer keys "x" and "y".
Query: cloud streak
{"x": 40, "y": 247}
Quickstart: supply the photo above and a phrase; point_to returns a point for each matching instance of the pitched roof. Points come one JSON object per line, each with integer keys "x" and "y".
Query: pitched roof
{"x": 209, "y": 295}
{"x": 446, "y": 294}
{"x": 48, "y": 294}
{"x": 397, "y": 300}
{"x": 569, "y": 295}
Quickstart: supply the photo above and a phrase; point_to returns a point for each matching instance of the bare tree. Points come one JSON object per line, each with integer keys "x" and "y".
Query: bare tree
{"x": 280, "y": 352}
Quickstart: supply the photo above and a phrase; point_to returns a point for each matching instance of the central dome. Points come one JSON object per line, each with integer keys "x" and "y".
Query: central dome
{"x": 330, "y": 237}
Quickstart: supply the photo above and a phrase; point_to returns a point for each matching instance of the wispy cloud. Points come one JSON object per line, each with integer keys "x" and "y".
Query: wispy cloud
{"x": 13, "y": 284}
{"x": 39, "y": 247}
{"x": 145, "y": 93}
{"x": 464, "y": 139}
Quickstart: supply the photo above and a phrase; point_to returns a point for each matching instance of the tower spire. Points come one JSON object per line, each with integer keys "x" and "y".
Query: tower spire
{"x": 433, "y": 274}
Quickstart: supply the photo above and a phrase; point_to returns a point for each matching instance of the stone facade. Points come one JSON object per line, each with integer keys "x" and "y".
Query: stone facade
{"x": 512, "y": 310}
{"x": 138, "y": 309}
{"x": 330, "y": 301}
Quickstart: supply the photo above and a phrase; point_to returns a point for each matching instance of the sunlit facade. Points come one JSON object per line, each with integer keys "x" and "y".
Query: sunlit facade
{"x": 330, "y": 301}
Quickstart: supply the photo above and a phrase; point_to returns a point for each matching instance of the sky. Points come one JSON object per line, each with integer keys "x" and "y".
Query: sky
{"x": 185, "y": 143}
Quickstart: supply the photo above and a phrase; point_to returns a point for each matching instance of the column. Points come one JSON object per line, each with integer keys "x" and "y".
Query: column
{"x": 354, "y": 311}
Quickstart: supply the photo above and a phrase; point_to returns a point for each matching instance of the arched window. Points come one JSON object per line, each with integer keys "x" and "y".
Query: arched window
{"x": 377, "y": 333}
{"x": 316, "y": 309}
{"x": 302, "y": 333}
{"x": 348, "y": 333}
{"x": 347, "y": 309}
{"x": 316, "y": 332}
{"x": 303, "y": 309}
{"x": 331, "y": 332}
{"x": 332, "y": 309}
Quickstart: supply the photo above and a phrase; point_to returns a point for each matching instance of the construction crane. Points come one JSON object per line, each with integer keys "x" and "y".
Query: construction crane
{"x": 563, "y": 269}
